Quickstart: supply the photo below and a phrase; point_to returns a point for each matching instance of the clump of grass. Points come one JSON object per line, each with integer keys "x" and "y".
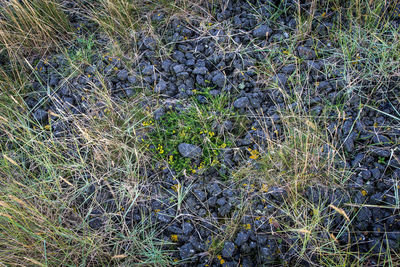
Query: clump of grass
{"x": 45, "y": 209}
{"x": 31, "y": 27}
{"x": 117, "y": 18}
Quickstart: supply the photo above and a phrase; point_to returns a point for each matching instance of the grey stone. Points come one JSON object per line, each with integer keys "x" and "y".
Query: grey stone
{"x": 179, "y": 56}
{"x": 182, "y": 75}
{"x": 201, "y": 195}
{"x": 189, "y": 150}
{"x": 380, "y": 139}
{"x": 149, "y": 43}
{"x": 381, "y": 153}
{"x": 40, "y": 115}
{"x": 288, "y": 69}
{"x": 349, "y": 143}
{"x": 224, "y": 210}
{"x": 166, "y": 64}
{"x": 200, "y": 70}
{"x": 214, "y": 189}
{"x": 95, "y": 223}
{"x": 160, "y": 87}
{"x": 159, "y": 113}
{"x": 229, "y": 248}
{"x": 219, "y": 79}
{"x": 122, "y": 75}
{"x": 241, "y": 102}
{"x": 148, "y": 70}
{"x": 54, "y": 79}
{"x": 241, "y": 238}
{"x": 186, "y": 251}
{"x": 221, "y": 201}
{"x": 132, "y": 79}
{"x": 306, "y": 52}
{"x": 262, "y": 32}
{"x": 179, "y": 68}
{"x": 163, "y": 217}
{"x": 280, "y": 79}
{"x": 187, "y": 228}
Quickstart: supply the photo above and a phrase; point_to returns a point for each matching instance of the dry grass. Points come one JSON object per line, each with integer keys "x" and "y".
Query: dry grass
{"x": 31, "y": 27}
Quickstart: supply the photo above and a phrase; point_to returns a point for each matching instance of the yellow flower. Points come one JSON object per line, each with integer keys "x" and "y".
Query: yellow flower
{"x": 174, "y": 238}
{"x": 176, "y": 187}
{"x": 247, "y": 226}
{"x": 264, "y": 188}
{"x": 221, "y": 260}
{"x": 47, "y": 127}
{"x": 364, "y": 193}
{"x": 254, "y": 154}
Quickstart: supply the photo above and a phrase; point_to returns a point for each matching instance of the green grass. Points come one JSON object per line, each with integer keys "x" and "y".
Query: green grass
{"x": 196, "y": 124}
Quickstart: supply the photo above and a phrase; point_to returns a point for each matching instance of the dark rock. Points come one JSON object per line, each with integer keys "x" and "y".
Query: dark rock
{"x": 242, "y": 102}
{"x": 229, "y": 248}
{"x": 219, "y": 79}
{"x": 122, "y": 75}
{"x": 201, "y": 195}
{"x": 179, "y": 56}
{"x": 182, "y": 75}
{"x": 262, "y": 32}
{"x": 224, "y": 210}
{"x": 54, "y": 80}
{"x": 40, "y": 115}
{"x": 214, "y": 189}
{"x": 357, "y": 159}
{"x": 95, "y": 223}
{"x": 187, "y": 228}
{"x": 186, "y": 251}
{"x": 349, "y": 142}
{"x": 149, "y": 43}
{"x": 280, "y": 79}
{"x": 380, "y": 139}
{"x": 148, "y": 70}
{"x": 132, "y": 79}
{"x": 288, "y": 69}
{"x": 376, "y": 174}
{"x": 381, "y": 153}
{"x": 179, "y": 68}
{"x": 241, "y": 238}
{"x": 221, "y": 201}
{"x": 189, "y": 151}
{"x": 161, "y": 86}
{"x": 200, "y": 70}
{"x": 163, "y": 217}
{"x": 306, "y": 52}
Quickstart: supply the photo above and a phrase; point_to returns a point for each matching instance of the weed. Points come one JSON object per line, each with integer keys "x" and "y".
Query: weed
{"x": 196, "y": 124}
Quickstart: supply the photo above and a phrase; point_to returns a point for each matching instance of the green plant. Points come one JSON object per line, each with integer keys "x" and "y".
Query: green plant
{"x": 195, "y": 124}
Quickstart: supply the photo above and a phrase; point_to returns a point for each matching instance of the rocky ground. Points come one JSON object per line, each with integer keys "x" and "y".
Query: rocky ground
{"x": 263, "y": 140}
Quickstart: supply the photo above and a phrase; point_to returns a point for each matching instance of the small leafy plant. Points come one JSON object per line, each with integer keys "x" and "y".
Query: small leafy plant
{"x": 197, "y": 124}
